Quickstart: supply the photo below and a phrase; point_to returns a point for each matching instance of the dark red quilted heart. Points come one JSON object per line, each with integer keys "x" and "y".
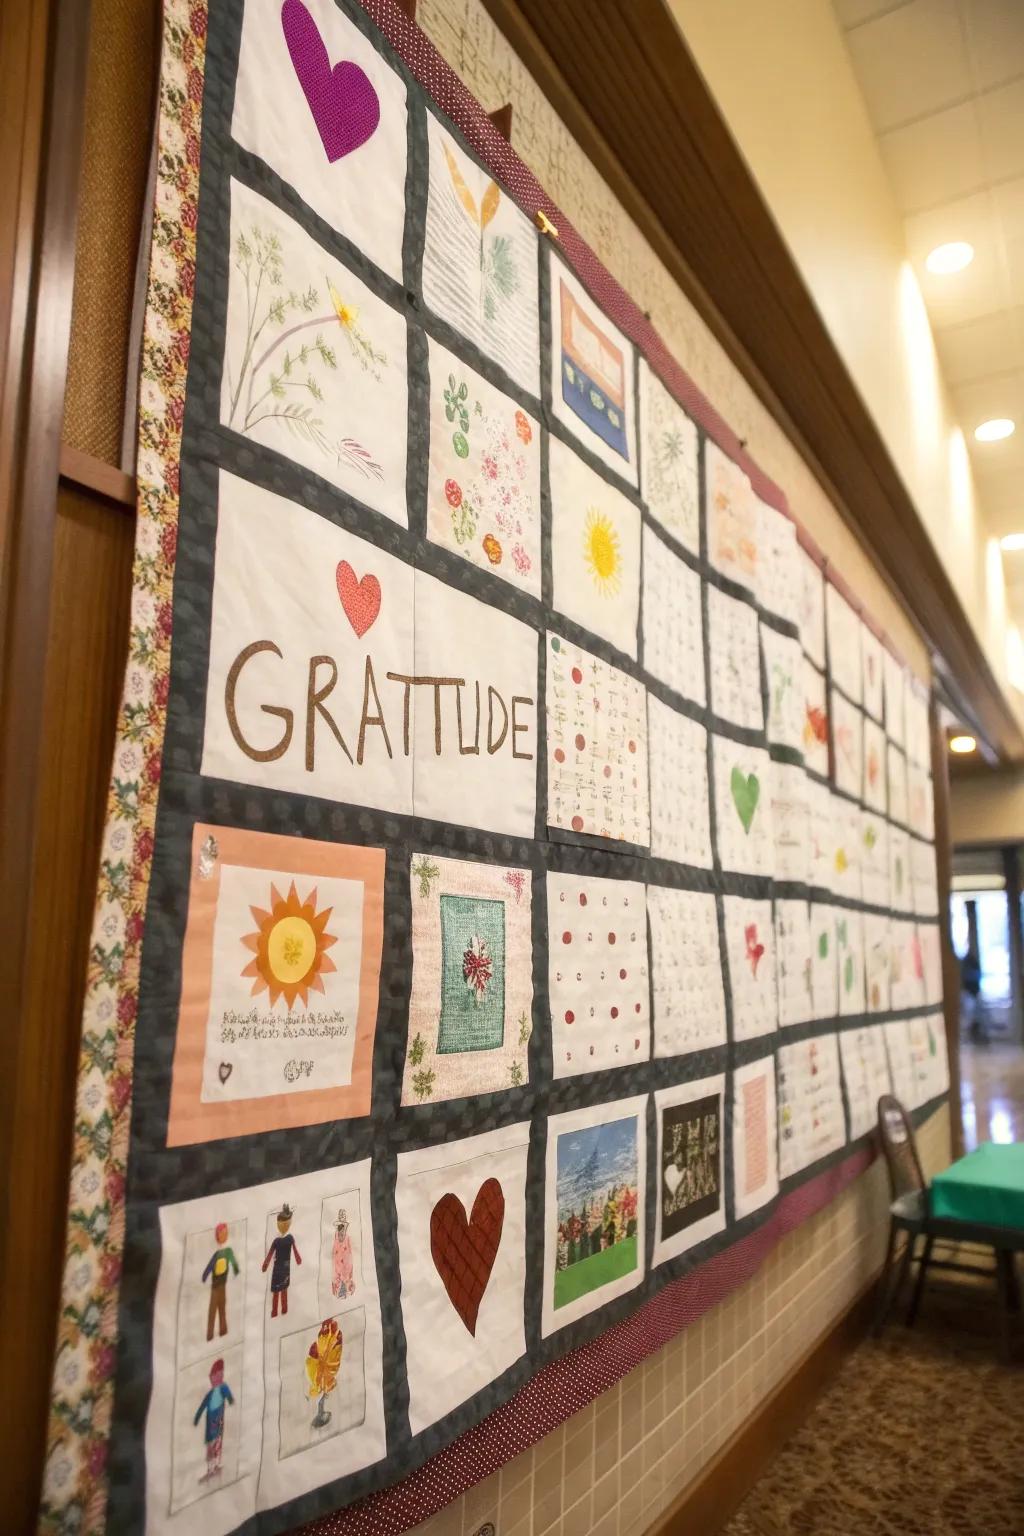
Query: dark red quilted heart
{"x": 464, "y": 1251}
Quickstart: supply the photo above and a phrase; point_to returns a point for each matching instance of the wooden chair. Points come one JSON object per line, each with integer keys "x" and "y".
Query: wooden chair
{"x": 910, "y": 1214}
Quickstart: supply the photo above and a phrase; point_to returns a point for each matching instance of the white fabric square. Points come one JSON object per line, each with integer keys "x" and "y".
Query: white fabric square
{"x": 845, "y": 830}
{"x": 811, "y": 1119}
{"x": 595, "y": 550}
{"x": 597, "y": 746}
{"x": 877, "y": 958}
{"x": 471, "y": 1002}
{"x": 848, "y": 741}
{"x": 743, "y": 815}
{"x": 595, "y": 1184}
{"x": 874, "y": 859}
{"x": 901, "y": 1068}
{"x": 901, "y": 896}
{"x": 733, "y": 519}
{"x": 597, "y": 973}
{"x": 754, "y": 1136}
{"x": 850, "y": 959}
{"x": 308, "y": 620}
{"x": 918, "y": 729}
{"x": 673, "y": 625}
{"x": 894, "y": 683}
{"x": 928, "y": 1058}
{"x": 750, "y": 947}
{"x": 924, "y": 879}
{"x": 823, "y": 835}
{"x": 686, "y": 961}
{"x": 680, "y": 820}
{"x": 668, "y": 461}
{"x": 690, "y": 1202}
{"x": 920, "y": 804}
{"x": 811, "y": 607}
{"x": 844, "y": 631}
{"x": 874, "y": 766}
{"x": 480, "y": 260}
{"x": 871, "y": 670}
{"x": 784, "y": 669}
{"x": 314, "y": 361}
{"x": 345, "y": 154}
{"x": 792, "y": 823}
{"x": 866, "y": 1074}
{"x": 906, "y": 965}
{"x": 474, "y": 712}
{"x": 896, "y": 774}
{"x": 461, "y": 1210}
{"x": 236, "y": 1349}
{"x": 591, "y": 374}
{"x": 824, "y": 967}
{"x": 779, "y": 575}
{"x": 815, "y": 722}
{"x": 793, "y": 962}
{"x": 483, "y": 489}
{"x": 735, "y": 660}
{"x": 930, "y": 939}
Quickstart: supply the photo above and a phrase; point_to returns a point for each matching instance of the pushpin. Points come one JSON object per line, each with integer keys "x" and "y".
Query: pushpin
{"x": 544, "y": 224}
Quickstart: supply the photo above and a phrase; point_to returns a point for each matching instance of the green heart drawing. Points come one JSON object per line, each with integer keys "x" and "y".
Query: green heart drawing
{"x": 848, "y": 973}
{"x": 823, "y": 945}
{"x": 746, "y": 791}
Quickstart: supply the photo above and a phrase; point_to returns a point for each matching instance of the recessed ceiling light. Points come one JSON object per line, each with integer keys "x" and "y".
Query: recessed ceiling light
{"x": 1011, "y": 542}
{"x": 962, "y": 744}
{"x": 950, "y": 258}
{"x": 995, "y": 430}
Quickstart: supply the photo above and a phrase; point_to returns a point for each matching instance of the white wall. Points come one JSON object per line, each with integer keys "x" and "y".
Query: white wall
{"x": 782, "y": 78}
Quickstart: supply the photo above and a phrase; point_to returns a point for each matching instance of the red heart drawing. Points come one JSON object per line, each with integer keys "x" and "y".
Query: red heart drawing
{"x": 360, "y": 599}
{"x": 464, "y": 1251}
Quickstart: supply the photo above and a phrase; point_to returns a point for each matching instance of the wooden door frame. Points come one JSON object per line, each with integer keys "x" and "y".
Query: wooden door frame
{"x": 43, "y": 56}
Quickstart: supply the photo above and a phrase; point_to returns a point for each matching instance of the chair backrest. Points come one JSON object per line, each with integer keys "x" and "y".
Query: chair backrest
{"x": 897, "y": 1137}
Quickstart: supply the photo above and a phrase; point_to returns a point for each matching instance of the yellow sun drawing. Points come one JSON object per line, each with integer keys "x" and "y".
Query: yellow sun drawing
{"x": 290, "y": 945}
{"x": 601, "y": 552}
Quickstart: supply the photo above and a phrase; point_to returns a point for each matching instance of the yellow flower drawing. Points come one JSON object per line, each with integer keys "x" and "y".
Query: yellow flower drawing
{"x": 601, "y": 552}
{"x": 348, "y": 314}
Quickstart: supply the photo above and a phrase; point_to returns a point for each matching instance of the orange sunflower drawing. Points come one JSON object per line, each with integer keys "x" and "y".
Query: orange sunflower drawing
{"x": 290, "y": 945}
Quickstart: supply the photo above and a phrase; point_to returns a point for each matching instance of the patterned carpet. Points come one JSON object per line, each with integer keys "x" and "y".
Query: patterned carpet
{"x": 921, "y": 1434}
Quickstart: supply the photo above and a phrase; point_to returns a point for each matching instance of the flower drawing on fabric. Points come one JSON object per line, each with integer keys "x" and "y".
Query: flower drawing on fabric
{"x": 496, "y": 253}
{"x": 323, "y": 1363}
{"x": 515, "y": 879}
{"x": 524, "y": 431}
{"x": 290, "y": 946}
{"x": 815, "y": 726}
{"x": 290, "y": 344}
{"x": 602, "y": 553}
{"x": 754, "y": 950}
{"x": 477, "y": 968}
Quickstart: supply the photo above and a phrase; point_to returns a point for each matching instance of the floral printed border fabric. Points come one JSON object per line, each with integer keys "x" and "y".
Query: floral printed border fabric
{"x": 469, "y": 667}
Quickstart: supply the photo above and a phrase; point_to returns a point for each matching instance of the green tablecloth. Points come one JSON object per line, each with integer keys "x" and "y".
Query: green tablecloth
{"x": 986, "y": 1186}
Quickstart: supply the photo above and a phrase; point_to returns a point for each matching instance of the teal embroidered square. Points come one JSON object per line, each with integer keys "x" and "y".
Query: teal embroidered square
{"x": 472, "y": 974}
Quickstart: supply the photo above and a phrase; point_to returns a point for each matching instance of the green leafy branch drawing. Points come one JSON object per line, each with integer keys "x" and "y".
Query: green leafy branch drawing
{"x": 267, "y": 378}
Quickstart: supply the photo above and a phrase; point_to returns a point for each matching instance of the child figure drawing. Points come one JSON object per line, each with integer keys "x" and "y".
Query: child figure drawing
{"x": 342, "y": 1265}
{"x": 214, "y": 1405}
{"x": 281, "y": 1251}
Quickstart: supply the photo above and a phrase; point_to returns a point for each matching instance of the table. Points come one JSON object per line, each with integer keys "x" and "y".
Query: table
{"x": 985, "y": 1188}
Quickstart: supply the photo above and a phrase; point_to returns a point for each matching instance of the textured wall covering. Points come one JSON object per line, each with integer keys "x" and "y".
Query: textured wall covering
{"x": 447, "y": 1052}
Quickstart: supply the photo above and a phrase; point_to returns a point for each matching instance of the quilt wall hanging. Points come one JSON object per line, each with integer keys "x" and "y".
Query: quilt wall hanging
{"x": 518, "y": 883}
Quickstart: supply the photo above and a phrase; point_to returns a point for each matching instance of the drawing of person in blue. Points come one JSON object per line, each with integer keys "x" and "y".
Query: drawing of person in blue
{"x": 281, "y": 1250}
{"x": 214, "y": 1405}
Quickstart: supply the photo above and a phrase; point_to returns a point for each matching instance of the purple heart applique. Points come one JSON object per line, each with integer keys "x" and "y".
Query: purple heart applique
{"x": 343, "y": 102}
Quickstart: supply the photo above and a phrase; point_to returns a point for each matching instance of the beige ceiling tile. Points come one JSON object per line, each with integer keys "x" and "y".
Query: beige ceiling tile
{"x": 851, "y": 13}
{"x": 1001, "y": 122}
{"x": 995, "y": 40}
{"x": 980, "y": 347}
{"x": 910, "y": 61}
{"x": 1008, "y": 201}
{"x": 981, "y": 287}
{"x": 936, "y": 160}
{"x": 996, "y": 395}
